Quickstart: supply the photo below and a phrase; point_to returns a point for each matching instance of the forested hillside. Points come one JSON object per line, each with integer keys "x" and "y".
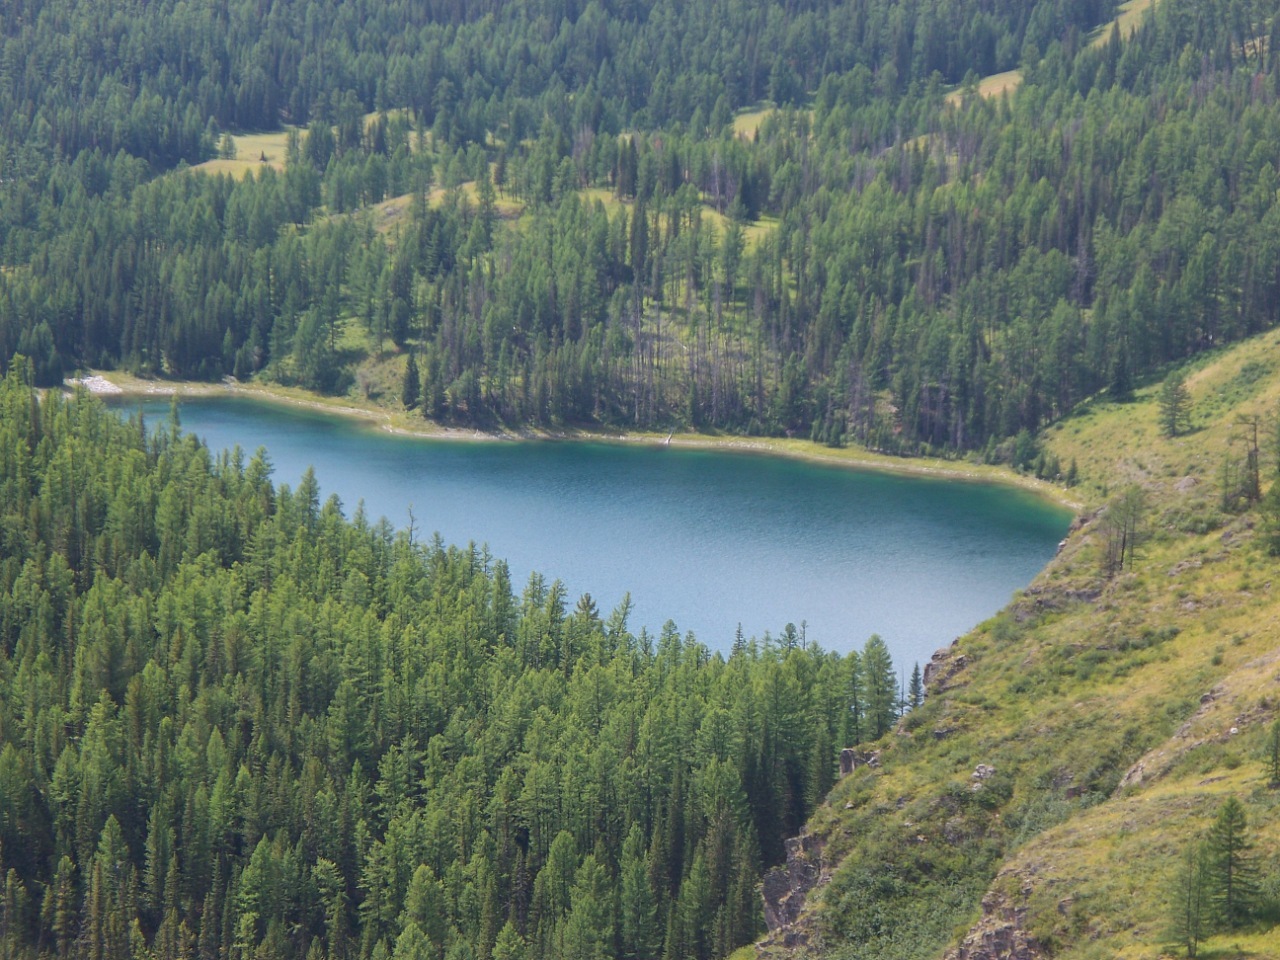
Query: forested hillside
{"x": 235, "y": 724}
{"x": 876, "y": 261}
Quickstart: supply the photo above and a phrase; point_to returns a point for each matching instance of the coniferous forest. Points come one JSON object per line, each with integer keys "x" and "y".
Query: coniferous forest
{"x": 236, "y": 724}
{"x": 880, "y": 260}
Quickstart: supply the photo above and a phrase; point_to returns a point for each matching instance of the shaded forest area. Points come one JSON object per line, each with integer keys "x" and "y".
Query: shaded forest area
{"x": 236, "y": 725}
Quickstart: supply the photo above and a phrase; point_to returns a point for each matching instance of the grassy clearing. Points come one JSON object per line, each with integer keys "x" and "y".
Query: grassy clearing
{"x": 253, "y": 151}
{"x": 992, "y": 86}
{"x": 1128, "y": 16}
{"x": 753, "y": 233}
{"x": 255, "y": 146}
{"x": 747, "y": 122}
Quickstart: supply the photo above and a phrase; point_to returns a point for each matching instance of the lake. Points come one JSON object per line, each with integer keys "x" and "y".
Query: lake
{"x": 708, "y": 539}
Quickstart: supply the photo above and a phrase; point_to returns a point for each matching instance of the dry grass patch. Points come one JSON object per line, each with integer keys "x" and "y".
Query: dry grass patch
{"x": 992, "y": 86}
{"x": 253, "y": 152}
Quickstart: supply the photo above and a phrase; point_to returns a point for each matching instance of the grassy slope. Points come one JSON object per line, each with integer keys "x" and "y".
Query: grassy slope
{"x": 1106, "y": 708}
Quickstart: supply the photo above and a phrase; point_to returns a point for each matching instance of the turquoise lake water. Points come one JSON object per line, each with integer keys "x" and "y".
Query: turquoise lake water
{"x": 708, "y": 539}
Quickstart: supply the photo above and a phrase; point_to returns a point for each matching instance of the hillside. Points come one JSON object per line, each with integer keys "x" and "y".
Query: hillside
{"x": 596, "y": 219}
{"x": 1073, "y": 748}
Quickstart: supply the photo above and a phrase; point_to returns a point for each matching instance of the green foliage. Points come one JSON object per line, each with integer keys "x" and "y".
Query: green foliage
{"x": 1190, "y": 920}
{"x": 410, "y": 384}
{"x": 1123, "y": 529}
{"x": 250, "y": 724}
{"x": 1230, "y": 870}
{"x": 1273, "y": 755}
{"x": 1174, "y": 405}
{"x": 1010, "y": 293}
{"x": 1270, "y": 511}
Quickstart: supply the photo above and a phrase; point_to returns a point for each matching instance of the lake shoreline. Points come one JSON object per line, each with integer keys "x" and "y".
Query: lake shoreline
{"x": 123, "y": 386}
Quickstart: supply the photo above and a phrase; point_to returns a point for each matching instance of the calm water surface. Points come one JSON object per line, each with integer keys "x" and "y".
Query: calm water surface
{"x": 708, "y": 539}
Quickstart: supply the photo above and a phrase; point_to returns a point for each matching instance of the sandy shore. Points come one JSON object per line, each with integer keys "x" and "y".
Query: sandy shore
{"x": 407, "y": 425}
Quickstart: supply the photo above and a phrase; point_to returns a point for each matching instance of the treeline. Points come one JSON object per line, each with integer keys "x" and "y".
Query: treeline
{"x": 237, "y": 724}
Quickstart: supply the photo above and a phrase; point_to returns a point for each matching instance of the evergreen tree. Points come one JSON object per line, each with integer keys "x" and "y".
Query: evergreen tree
{"x": 1229, "y": 866}
{"x": 410, "y": 384}
{"x": 640, "y": 933}
{"x": 915, "y": 691}
{"x": 880, "y": 686}
{"x": 1174, "y": 405}
{"x": 1122, "y": 527}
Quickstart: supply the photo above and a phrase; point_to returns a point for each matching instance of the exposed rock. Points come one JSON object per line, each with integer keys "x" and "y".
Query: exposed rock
{"x": 940, "y": 656}
{"x": 846, "y": 761}
{"x": 1041, "y": 598}
{"x": 942, "y": 666}
{"x": 784, "y": 888}
{"x": 1000, "y": 934}
{"x": 851, "y": 760}
{"x": 955, "y": 830}
{"x": 1186, "y": 484}
{"x": 984, "y": 771}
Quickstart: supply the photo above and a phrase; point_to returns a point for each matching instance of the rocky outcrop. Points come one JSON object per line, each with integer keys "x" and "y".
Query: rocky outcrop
{"x": 851, "y": 760}
{"x": 942, "y": 666}
{"x": 784, "y": 889}
{"x": 1000, "y": 935}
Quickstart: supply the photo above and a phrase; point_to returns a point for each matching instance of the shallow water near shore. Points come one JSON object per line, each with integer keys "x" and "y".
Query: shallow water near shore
{"x": 706, "y": 538}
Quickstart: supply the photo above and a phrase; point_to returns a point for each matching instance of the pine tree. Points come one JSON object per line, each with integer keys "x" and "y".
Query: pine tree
{"x": 409, "y": 386}
{"x": 915, "y": 691}
{"x": 588, "y": 929}
{"x": 878, "y": 683}
{"x": 1175, "y": 405}
{"x": 640, "y": 934}
{"x": 1231, "y": 870}
{"x": 509, "y": 945}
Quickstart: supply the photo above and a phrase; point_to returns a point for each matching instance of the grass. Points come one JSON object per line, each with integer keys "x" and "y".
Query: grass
{"x": 251, "y": 149}
{"x": 747, "y": 122}
{"x": 992, "y": 86}
{"x": 1106, "y": 707}
{"x": 753, "y": 233}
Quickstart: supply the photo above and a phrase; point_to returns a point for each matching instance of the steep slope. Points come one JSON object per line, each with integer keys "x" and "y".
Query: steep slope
{"x": 1076, "y": 746}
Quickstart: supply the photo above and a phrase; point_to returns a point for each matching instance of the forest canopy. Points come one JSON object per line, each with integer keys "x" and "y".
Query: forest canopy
{"x": 237, "y": 724}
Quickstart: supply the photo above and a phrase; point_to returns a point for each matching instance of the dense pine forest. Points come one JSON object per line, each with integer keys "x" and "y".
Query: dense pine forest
{"x": 236, "y": 724}
{"x": 583, "y": 235}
